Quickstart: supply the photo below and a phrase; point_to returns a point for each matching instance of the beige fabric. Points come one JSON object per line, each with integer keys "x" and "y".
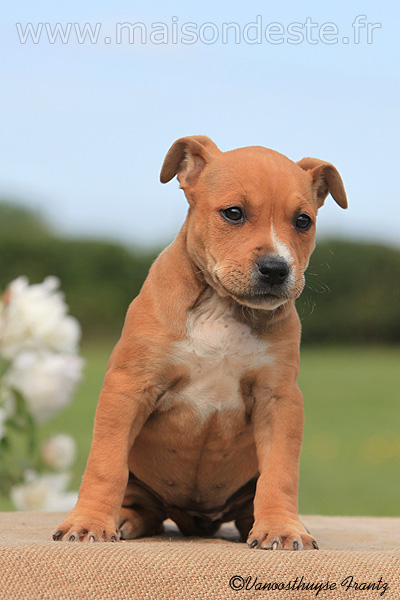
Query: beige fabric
{"x": 34, "y": 567}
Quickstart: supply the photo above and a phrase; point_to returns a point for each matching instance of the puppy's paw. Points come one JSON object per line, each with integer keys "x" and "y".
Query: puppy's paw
{"x": 272, "y": 535}
{"x": 83, "y": 528}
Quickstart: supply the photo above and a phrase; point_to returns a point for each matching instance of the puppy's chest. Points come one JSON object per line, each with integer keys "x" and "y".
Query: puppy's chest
{"x": 218, "y": 352}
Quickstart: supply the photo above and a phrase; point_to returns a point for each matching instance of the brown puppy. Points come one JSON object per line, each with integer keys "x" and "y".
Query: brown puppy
{"x": 200, "y": 418}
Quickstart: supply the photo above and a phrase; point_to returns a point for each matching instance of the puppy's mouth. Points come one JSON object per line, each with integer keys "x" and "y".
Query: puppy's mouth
{"x": 257, "y": 297}
{"x": 261, "y": 299}
{"x": 257, "y": 289}
{"x": 261, "y": 296}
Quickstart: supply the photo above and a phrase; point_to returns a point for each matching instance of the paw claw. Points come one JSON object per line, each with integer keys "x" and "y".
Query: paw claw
{"x": 84, "y": 528}
{"x": 285, "y": 534}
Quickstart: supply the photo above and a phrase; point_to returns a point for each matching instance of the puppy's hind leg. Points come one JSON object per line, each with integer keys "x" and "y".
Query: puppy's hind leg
{"x": 142, "y": 513}
{"x": 138, "y": 521}
{"x": 244, "y": 520}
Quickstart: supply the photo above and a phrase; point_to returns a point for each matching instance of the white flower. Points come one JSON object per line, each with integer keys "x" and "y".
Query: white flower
{"x": 35, "y": 317}
{"x": 43, "y": 492}
{"x": 47, "y": 381}
{"x": 59, "y": 452}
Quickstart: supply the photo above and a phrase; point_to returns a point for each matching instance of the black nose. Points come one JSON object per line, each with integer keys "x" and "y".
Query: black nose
{"x": 273, "y": 270}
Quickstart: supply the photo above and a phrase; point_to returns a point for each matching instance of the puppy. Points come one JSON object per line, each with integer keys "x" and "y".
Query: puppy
{"x": 200, "y": 418}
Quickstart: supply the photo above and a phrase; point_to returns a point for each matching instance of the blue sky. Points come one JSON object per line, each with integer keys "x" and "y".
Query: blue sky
{"x": 85, "y": 127}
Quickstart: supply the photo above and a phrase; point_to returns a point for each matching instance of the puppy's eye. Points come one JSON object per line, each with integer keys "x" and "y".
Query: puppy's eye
{"x": 303, "y": 222}
{"x": 233, "y": 214}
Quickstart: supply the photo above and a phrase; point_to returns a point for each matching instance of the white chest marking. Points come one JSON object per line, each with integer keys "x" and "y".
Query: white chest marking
{"x": 218, "y": 350}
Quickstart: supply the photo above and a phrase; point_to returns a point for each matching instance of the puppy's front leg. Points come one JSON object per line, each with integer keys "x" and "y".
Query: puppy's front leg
{"x": 125, "y": 403}
{"x": 278, "y": 430}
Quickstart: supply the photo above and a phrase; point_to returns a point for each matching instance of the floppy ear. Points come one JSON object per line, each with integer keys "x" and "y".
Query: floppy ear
{"x": 326, "y": 180}
{"x": 186, "y": 158}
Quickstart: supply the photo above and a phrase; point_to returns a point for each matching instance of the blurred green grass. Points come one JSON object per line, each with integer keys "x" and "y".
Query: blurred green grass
{"x": 350, "y": 462}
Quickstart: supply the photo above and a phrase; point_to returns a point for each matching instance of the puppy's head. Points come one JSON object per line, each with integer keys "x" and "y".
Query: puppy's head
{"x": 252, "y": 216}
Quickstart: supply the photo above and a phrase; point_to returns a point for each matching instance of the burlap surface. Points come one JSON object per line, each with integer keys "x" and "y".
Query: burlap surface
{"x": 354, "y": 550}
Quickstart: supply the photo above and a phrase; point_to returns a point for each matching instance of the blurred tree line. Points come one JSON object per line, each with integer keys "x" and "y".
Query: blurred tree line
{"x": 352, "y": 293}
